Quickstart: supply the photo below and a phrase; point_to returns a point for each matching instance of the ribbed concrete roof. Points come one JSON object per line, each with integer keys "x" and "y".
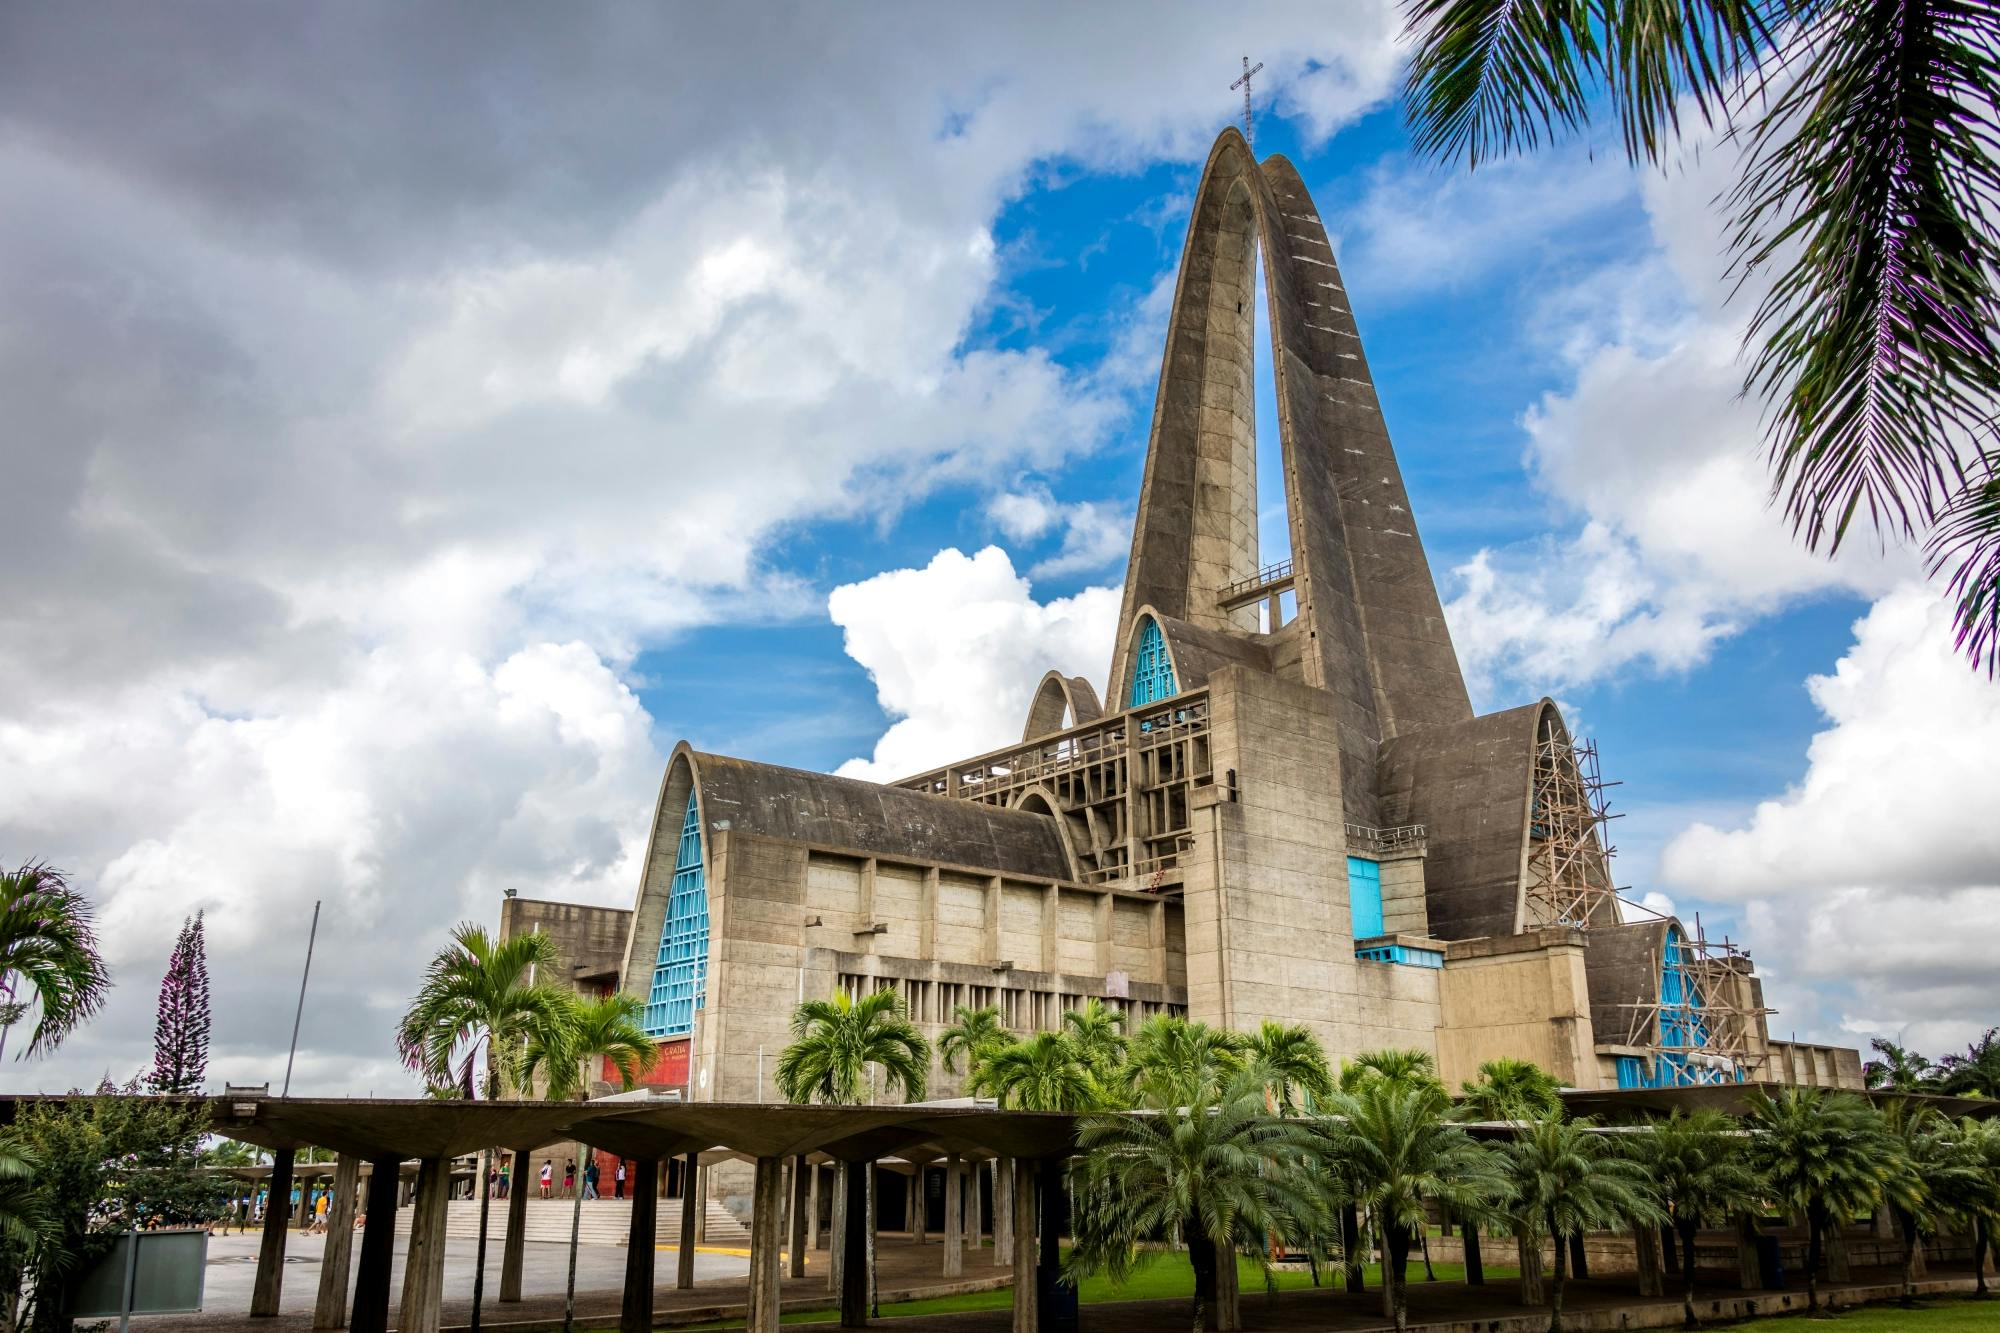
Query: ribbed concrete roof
{"x": 801, "y": 806}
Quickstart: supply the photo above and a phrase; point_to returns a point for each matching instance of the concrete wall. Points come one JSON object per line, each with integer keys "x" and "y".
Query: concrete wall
{"x": 1803, "y": 1064}
{"x": 1525, "y": 996}
{"x": 590, "y": 941}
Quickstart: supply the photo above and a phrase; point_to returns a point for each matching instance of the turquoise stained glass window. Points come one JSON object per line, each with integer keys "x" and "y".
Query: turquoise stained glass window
{"x": 1152, "y": 669}
{"x": 680, "y": 974}
{"x": 1364, "y": 897}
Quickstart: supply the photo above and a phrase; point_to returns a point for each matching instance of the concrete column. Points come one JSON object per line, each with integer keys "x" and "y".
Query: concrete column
{"x": 378, "y": 1243}
{"x": 635, "y": 1313}
{"x": 513, "y": 1246}
{"x": 836, "y": 1259}
{"x": 814, "y": 1237}
{"x": 1022, "y": 1223}
{"x": 690, "y": 1220}
{"x": 304, "y": 1217}
{"x": 423, "y": 1261}
{"x": 954, "y": 1222}
{"x": 270, "y": 1281}
{"x": 331, "y": 1309}
{"x": 1749, "y": 1273}
{"x": 916, "y": 1206}
{"x": 767, "y": 1216}
{"x": 973, "y": 1191}
{"x": 1003, "y": 1211}
{"x": 851, "y": 1245}
{"x": 802, "y": 1196}
{"x": 701, "y": 1205}
{"x": 1646, "y": 1249}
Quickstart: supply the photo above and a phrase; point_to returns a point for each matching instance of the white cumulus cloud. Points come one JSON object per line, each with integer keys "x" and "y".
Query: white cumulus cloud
{"x": 956, "y": 649}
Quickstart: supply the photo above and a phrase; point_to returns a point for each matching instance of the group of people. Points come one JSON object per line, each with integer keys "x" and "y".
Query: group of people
{"x": 499, "y": 1179}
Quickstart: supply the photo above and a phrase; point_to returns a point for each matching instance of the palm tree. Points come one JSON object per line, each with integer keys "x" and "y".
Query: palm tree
{"x": 606, "y": 1028}
{"x": 1871, "y": 166}
{"x": 1393, "y": 1144}
{"x": 1196, "y": 1170}
{"x": 1099, "y": 1034}
{"x": 1290, "y": 1060}
{"x": 1977, "y": 1072}
{"x": 1701, "y": 1174}
{"x": 1510, "y": 1089}
{"x": 48, "y": 956}
{"x": 1899, "y": 1069}
{"x": 482, "y": 994}
{"x": 1409, "y": 1067}
{"x": 1823, "y": 1154}
{"x": 1571, "y": 1180}
{"x": 1048, "y": 1072}
{"x": 1971, "y": 1193}
{"x": 1929, "y": 1169}
{"x": 1174, "y": 1062}
{"x": 971, "y": 1033}
{"x": 835, "y": 1041}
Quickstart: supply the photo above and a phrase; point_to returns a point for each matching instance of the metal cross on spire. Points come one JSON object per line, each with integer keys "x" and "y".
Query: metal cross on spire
{"x": 1249, "y": 132}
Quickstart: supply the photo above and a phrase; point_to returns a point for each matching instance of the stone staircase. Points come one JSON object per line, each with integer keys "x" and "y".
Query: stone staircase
{"x": 603, "y": 1222}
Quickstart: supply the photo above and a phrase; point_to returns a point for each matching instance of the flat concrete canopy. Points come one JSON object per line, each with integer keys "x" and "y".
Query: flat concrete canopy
{"x": 374, "y": 1128}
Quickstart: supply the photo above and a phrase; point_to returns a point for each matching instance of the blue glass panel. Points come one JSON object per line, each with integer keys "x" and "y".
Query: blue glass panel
{"x": 1152, "y": 669}
{"x": 1682, "y": 1024}
{"x": 680, "y": 974}
{"x": 1401, "y": 954}
{"x": 1364, "y": 897}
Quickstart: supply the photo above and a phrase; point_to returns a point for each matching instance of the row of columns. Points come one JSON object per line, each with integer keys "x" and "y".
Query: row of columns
{"x": 1027, "y": 1218}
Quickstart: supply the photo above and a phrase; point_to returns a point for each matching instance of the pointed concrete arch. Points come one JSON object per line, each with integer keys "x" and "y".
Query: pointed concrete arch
{"x": 1039, "y": 800}
{"x": 649, "y": 908}
{"x": 1370, "y": 628}
{"x": 1058, "y": 698}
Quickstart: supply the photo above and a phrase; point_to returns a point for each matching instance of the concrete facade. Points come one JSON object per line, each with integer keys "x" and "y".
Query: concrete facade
{"x": 1199, "y": 853}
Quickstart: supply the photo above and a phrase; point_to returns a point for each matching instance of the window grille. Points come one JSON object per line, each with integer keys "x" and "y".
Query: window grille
{"x": 1152, "y": 668}
{"x": 680, "y": 974}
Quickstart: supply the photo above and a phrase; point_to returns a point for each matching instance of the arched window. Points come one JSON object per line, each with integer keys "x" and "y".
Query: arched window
{"x": 1152, "y": 669}
{"x": 680, "y": 975}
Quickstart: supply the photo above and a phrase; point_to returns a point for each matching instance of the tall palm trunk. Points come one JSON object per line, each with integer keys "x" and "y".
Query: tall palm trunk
{"x": 1395, "y": 1273}
{"x": 1528, "y": 1248}
{"x": 1685, "y": 1229}
{"x": 1556, "y": 1284}
{"x": 1907, "y": 1222}
{"x": 1812, "y": 1258}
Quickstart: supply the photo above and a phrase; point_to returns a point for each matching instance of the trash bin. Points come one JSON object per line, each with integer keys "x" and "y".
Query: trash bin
{"x": 1770, "y": 1263}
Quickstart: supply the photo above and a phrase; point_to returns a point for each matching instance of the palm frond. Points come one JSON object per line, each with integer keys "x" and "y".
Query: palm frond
{"x": 1494, "y": 77}
{"x": 1863, "y": 200}
{"x": 1966, "y": 543}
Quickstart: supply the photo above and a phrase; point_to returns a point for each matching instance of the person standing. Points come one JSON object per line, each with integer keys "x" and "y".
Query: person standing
{"x": 618, "y": 1181}
{"x": 506, "y": 1165}
{"x": 590, "y": 1178}
{"x": 569, "y": 1178}
{"x": 548, "y": 1174}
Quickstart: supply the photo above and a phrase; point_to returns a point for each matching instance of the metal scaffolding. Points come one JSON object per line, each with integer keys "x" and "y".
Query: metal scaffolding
{"x": 1703, "y": 1026}
{"x": 1569, "y": 872}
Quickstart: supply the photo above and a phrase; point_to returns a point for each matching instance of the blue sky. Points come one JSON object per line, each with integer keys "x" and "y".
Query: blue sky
{"x": 397, "y": 477}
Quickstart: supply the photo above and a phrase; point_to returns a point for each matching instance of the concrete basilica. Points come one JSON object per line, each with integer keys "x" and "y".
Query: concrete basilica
{"x": 1284, "y": 807}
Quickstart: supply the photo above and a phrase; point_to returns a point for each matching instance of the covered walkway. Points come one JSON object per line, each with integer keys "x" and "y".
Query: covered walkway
{"x": 782, "y": 1143}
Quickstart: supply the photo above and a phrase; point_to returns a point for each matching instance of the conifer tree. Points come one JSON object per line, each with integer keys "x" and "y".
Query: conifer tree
{"x": 180, "y": 1033}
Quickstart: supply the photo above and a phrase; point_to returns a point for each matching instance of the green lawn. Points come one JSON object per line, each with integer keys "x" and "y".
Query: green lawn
{"x": 1961, "y": 1315}
{"x": 1167, "y": 1277}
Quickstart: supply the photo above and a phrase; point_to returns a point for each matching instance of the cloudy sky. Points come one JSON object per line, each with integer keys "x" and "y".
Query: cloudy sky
{"x": 418, "y": 418}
